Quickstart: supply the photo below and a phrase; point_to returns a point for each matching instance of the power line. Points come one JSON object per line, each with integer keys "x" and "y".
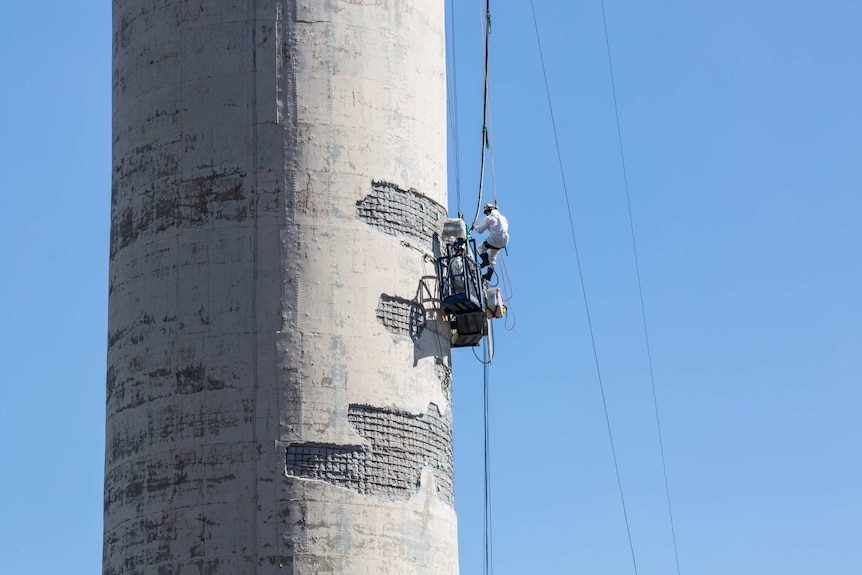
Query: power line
{"x": 583, "y": 287}
{"x": 640, "y": 284}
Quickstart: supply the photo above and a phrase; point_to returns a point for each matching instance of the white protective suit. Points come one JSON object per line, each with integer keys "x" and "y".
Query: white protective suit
{"x": 456, "y": 272}
{"x": 497, "y": 227}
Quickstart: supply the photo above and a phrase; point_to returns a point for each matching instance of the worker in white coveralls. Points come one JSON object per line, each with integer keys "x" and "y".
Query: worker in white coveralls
{"x": 456, "y": 268}
{"x": 497, "y": 227}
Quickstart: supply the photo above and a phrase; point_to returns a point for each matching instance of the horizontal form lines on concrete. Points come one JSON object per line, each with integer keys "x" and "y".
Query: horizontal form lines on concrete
{"x": 163, "y": 478}
{"x": 399, "y": 446}
{"x": 401, "y": 213}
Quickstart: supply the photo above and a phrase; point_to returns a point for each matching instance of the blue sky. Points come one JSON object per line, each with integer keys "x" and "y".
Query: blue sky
{"x": 742, "y": 132}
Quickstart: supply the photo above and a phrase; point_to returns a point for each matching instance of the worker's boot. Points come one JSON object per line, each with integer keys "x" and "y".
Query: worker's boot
{"x": 488, "y": 274}
{"x": 485, "y": 261}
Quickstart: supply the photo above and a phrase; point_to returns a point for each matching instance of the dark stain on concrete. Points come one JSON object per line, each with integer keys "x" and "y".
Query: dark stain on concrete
{"x": 215, "y": 384}
{"x": 191, "y": 379}
{"x": 134, "y": 489}
{"x": 110, "y": 382}
{"x": 205, "y": 320}
{"x": 115, "y": 336}
{"x": 165, "y": 202}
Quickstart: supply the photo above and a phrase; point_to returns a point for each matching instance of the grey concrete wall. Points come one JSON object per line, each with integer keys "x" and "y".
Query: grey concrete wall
{"x": 278, "y": 381}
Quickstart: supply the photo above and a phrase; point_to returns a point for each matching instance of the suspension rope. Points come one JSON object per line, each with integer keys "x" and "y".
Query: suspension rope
{"x": 640, "y": 285}
{"x": 488, "y": 567}
{"x": 490, "y": 120}
{"x": 486, "y": 136}
{"x": 584, "y": 289}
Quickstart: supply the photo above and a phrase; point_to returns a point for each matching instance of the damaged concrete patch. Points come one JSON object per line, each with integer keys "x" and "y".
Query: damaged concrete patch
{"x": 401, "y": 316}
{"x": 401, "y": 213}
{"x": 399, "y": 446}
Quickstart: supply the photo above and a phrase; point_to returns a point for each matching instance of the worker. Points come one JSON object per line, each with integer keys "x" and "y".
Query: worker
{"x": 497, "y": 227}
{"x": 456, "y": 268}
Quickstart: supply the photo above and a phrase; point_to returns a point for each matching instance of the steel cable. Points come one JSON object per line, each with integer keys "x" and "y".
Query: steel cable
{"x": 583, "y": 287}
{"x": 640, "y": 284}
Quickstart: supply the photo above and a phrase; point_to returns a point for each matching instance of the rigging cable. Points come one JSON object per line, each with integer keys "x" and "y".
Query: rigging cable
{"x": 640, "y": 285}
{"x": 508, "y": 295}
{"x": 584, "y": 289}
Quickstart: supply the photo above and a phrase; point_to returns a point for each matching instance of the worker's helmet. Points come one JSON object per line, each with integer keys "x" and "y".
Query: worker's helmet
{"x": 489, "y": 207}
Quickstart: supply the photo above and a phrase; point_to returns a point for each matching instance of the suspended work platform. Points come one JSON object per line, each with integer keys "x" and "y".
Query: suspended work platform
{"x": 463, "y": 294}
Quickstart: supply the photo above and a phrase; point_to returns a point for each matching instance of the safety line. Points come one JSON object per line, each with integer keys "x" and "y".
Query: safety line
{"x": 583, "y": 288}
{"x": 640, "y": 284}
{"x": 508, "y": 296}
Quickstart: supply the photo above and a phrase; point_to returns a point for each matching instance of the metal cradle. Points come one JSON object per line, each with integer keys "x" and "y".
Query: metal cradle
{"x": 461, "y": 293}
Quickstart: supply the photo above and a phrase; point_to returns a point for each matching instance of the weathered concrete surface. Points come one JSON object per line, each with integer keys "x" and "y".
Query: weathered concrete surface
{"x": 278, "y": 389}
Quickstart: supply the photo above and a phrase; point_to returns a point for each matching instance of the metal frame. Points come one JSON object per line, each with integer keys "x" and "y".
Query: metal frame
{"x": 461, "y": 293}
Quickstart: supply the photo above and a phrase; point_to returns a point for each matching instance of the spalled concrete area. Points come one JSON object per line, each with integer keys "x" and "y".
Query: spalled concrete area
{"x": 277, "y": 388}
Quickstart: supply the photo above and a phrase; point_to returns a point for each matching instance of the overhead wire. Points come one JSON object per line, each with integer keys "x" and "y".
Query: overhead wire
{"x": 640, "y": 284}
{"x": 583, "y": 288}
{"x": 487, "y": 149}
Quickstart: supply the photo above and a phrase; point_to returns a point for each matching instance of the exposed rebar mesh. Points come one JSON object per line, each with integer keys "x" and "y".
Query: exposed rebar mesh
{"x": 401, "y": 213}
{"x": 401, "y": 316}
{"x": 399, "y": 446}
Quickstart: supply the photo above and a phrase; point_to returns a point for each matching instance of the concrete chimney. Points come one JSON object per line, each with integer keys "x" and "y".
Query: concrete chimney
{"x": 278, "y": 386}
